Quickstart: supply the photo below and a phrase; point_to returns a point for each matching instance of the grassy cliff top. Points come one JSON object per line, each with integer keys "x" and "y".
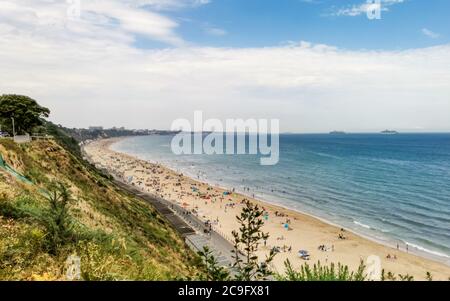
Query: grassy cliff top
{"x": 116, "y": 235}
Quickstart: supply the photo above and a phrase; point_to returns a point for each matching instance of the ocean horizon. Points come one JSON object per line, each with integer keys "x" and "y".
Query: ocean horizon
{"x": 394, "y": 189}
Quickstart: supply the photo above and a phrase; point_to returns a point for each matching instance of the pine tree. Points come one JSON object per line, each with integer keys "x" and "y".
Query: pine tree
{"x": 248, "y": 239}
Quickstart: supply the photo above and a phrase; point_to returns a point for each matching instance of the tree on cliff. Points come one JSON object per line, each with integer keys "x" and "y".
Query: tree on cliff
{"x": 27, "y": 113}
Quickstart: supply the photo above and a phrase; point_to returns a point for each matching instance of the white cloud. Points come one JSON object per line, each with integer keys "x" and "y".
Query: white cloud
{"x": 167, "y": 4}
{"x": 430, "y": 34}
{"x": 88, "y": 72}
{"x": 137, "y": 21}
{"x": 214, "y": 31}
{"x": 363, "y": 8}
{"x": 114, "y": 18}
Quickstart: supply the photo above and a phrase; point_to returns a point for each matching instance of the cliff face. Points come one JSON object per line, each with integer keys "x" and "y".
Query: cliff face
{"x": 115, "y": 235}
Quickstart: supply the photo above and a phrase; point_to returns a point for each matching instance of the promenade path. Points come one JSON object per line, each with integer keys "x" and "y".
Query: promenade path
{"x": 195, "y": 232}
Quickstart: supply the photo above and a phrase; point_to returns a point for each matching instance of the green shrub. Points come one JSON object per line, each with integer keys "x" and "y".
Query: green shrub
{"x": 214, "y": 272}
{"x": 319, "y": 272}
{"x": 56, "y": 218}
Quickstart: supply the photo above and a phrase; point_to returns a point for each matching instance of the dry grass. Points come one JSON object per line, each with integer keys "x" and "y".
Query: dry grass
{"x": 117, "y": 236}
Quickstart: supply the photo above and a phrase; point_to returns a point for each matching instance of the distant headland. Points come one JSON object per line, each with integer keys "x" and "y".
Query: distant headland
{"x": 337, "y": 133}
{"x": 389, "y": 132}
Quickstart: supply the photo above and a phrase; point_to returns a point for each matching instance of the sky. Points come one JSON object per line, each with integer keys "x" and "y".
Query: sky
{"x": 316, "y": 65}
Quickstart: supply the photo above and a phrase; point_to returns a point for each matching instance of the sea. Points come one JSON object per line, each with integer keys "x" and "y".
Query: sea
{"x": 394, "y": 189}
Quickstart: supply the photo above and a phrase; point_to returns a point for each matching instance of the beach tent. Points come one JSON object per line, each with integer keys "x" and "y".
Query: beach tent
{"x": 303, "y": 254}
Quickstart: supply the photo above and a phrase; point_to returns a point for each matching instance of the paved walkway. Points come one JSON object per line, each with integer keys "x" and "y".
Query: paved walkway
{"x": 194, "y": 230}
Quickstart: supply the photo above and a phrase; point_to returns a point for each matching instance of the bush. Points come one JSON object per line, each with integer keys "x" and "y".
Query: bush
{"x": 318, "y": 272}
{"x": 214, "y": 272}
{"x": 56, "y": 218}
{"x": 248, "y": 239}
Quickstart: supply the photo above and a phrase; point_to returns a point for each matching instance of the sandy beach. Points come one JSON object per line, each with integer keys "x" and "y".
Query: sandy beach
{"x": 290, "y": 231}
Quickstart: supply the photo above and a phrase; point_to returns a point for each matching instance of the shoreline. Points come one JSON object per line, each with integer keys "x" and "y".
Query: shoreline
{"x": 308, "y": 231}
{"x": 385, "y": 241}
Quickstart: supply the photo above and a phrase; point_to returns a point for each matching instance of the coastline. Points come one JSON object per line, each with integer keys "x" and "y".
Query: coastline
{"x": 307, "y": 231}
{"x": 387, "y": 242}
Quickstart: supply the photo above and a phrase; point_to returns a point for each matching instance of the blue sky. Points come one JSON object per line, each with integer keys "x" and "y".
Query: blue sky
{"x": 259, "y": 23}
{"x": 316, "y": 65}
